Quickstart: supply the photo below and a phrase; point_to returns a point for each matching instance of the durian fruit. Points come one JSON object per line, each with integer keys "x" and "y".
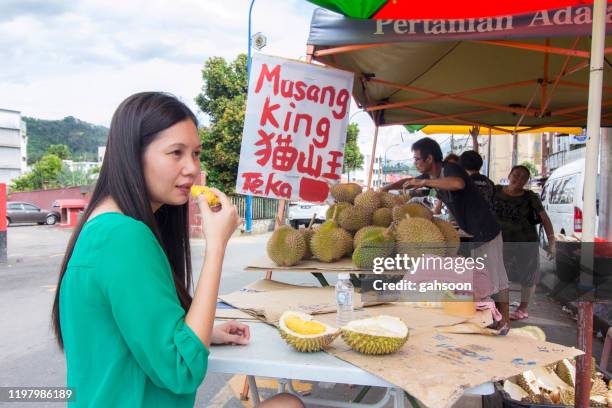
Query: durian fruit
{"x": 370, "y": 200}
{"x": 304, "y": 333}
{"x": 514, "y": 391}
{"x": 387, "y": 200}
{"x": 339, "y": 206}
{"x": 568, "y": 397}
{"x": 418, "y": 236}
{"x": 307, "y": 233}
{"x": 419, "y": 210}
{"x": 402, "y": 199}
{"x": 345, "y": 192}
{"x": 286, "y": 246}
{"x": 330, "y": 242}
{"x": 566, "y": 371}
{"x": 533, "y": 332}
{"x": 376, "y": 335}
{"x": 599, "y": 387}
{"x": 382, "y": 217}
{"x": 540, "y": 399}
{"x": 210, "y": 197}
{"x": 528, "y": 382}
{"x": 362, "y": 232}
{"x": 374, "y": 244}
{"x": 451, "y": 236}
{"x": 413, "y": 210}
{"x": 354, "y": 218}
{"x": 548, "y": 381}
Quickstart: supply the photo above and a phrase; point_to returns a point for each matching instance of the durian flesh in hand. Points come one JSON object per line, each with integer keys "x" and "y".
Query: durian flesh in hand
{"x": 304, "y": 333}
{"x": 376, "y": 335}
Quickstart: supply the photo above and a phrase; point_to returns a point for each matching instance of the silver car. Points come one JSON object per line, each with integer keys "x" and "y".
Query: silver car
{"x": 19, "y": 212}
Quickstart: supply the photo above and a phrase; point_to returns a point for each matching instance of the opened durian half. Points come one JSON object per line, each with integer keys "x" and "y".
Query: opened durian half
{"x": 376, "y": 335}
{"x": 304, "y": 333}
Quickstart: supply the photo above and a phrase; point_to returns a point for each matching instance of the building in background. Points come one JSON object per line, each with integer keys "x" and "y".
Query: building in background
{"x": 82, "y": 166}
{"x": 561, "y": 149}
{"x": 529, "y": 149}
{"x": 13, "y": 145}
{"x": 360, "y": 176}
{"x": 101, "y": 153}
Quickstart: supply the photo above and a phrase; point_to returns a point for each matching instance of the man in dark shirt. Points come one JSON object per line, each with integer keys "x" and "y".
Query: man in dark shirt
{"x": 462, "y": 197}
{"x": 472, "y": 163}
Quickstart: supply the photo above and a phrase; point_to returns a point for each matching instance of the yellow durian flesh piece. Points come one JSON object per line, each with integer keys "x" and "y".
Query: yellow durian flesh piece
{"x": 210, "y": 197}
{"x": 298, "y": 325}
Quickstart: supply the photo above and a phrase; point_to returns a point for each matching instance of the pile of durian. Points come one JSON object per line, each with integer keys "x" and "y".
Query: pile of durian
{"x": 373, "y": 336}
{"x": 556, "y": 385}
{"x": 365, "y": 225}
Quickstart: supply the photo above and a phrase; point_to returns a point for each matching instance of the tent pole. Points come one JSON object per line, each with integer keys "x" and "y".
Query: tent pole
{"x": 585, "y": 314}
{"x": 373, "y": 157}
{"x": 489, "y": 141}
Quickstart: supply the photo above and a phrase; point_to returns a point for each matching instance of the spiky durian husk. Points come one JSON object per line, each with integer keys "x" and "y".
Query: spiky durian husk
{"x": 376, "y": 244}
{"x": 362, "y": 232}
{"x": 528, "y": 382}
{"x": 451, "y": 236}
{"x": 599, "y": 387}
{"x": 419, "y": 210}
{"x": 418, "y": 236}
{"x": 373, "y": 345}
{"x": 387, "y": 200}
{"x": 307, "y": 233}
{"x": 345, "y": 192}
{"x": 308, "y": 345}
{"x": 354, "y": 218}
{"x": 543, "y": 399}
{"x": 382, "y": 217}
{"x": 568, "y": 397}
{"x": 598, "y": 401}
{"x": 329, "y": 214}
{"x": 369, "y": 200}
{"x": 566, "y": 371}
{"x": 286, "y": 246}
{"x": 330, "y": 243}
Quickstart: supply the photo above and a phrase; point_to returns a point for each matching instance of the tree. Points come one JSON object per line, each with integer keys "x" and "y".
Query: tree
{"x": 532, "y": 168}
{"x": 223, "y": 98}
{"x": 353, "y": 159}
{"x": 60, "y": 150}
{"x": 43, "y": 175}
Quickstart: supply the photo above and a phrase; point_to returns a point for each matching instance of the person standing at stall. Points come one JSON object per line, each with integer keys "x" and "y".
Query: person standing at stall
{"x": 459, "y": 193}
{"x": 519, "y": 211}
{"x": 471, "y": 162}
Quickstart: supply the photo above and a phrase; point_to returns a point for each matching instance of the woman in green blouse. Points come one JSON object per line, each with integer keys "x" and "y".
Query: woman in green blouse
{"x": 123, "y": 314}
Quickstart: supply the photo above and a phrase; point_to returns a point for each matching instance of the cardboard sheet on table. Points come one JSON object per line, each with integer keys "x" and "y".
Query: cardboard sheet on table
{"x": 417, "y": 320}
{"x": 436, "y": 368}
{"x": 268, "y": 299}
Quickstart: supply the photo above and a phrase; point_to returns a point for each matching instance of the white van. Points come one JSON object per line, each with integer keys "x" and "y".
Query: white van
{"x": 562, "y": 197}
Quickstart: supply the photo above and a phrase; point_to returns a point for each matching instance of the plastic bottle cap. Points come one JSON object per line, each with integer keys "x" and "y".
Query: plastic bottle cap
{"x": 344, "y": 276}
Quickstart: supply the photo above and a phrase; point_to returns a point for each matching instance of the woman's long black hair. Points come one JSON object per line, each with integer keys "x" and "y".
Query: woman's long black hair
{"x": 135, "y": 124}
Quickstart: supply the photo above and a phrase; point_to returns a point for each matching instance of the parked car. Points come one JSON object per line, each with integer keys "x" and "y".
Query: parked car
{"x": 19, "y": 212}
{"x": 562, "y": 197}
{"x": 301, "y": 212}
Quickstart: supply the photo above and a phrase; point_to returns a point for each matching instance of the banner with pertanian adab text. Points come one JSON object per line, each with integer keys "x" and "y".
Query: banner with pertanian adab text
{"x": 294, "y": 129}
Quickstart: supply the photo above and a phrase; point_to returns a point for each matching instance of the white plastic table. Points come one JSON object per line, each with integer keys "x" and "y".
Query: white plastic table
{"x": 269, "y": 356}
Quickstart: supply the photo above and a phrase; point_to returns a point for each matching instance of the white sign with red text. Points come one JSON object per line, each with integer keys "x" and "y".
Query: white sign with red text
{"x": 294, "y": 129}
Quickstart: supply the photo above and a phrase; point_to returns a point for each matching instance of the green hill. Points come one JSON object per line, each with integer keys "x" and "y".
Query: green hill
{"x": 81, "y": 137}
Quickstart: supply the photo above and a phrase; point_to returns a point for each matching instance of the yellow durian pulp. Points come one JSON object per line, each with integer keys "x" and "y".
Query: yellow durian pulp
{"x": 301, "y": 326}
{"x": 210, "y": 197}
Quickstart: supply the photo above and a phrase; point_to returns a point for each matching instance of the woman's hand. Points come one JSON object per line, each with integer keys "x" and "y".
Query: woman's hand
{"x": 230, "y": 332}
{"x": 218, "y": 226}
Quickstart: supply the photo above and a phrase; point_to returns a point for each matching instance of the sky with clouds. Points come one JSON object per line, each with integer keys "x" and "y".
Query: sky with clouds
{"x": 83, "y": 57}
